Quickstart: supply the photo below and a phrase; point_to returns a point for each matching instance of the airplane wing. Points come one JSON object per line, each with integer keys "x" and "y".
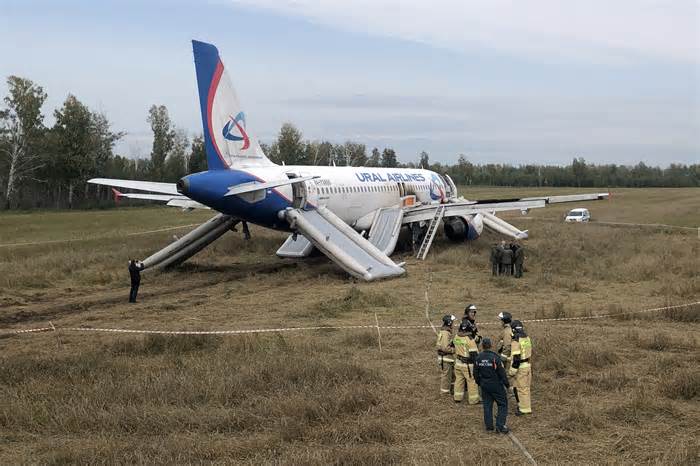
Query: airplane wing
{"x": 462, "y": 208}
{"x": 488, "y": 207}
{"x": 167, "y": 192}
{"x": 550, "y": 199}
{"x": 148, "y": 197}
{"x": 152, "y": 186}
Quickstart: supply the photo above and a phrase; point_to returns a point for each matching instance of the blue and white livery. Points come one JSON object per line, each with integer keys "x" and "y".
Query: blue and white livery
{"x": 352, "y": 214}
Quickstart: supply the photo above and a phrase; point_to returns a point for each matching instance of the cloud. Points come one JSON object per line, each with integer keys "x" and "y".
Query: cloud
{"x": 514, "y": 129}
{"x": 594, "y": 31}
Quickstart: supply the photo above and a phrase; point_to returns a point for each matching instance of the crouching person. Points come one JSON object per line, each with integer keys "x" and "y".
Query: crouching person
{"x": 491, "y": 377}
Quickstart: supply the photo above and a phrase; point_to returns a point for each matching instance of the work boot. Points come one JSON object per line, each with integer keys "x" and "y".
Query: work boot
{"x": 490, "y": 429}
{"x": 502, "y": 430}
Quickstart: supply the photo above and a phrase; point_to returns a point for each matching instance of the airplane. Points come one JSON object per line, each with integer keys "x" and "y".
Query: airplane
{"x": 353, "y": 215}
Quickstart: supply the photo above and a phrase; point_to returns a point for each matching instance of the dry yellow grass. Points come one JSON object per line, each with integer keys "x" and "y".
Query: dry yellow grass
{"x": 611, "y": 391}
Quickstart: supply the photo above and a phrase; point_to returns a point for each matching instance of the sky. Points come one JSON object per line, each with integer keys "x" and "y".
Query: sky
{"x": 500, "y": 81}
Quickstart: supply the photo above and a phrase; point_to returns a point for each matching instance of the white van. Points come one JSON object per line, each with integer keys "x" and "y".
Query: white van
{"x": 578, "y": 215}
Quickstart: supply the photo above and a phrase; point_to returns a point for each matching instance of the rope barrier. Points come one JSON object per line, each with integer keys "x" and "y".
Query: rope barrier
{"x": 314, "y": 328}
{"x": 654, "y": 225}
{"x": 522, "y": 449}
{"x": 94, "y": 238}
{"x": 427, "y": 301}
{"x": 601, "y": 222}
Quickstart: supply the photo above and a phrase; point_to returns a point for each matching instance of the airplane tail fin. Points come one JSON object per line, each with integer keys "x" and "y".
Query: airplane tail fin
{"x": 227, "y": 139}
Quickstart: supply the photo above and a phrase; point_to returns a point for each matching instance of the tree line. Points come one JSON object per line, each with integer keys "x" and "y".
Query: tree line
{"x": 43, "y": 167}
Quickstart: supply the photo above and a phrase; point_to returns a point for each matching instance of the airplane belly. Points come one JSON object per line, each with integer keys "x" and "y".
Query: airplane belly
{"x": 263, "y": 213}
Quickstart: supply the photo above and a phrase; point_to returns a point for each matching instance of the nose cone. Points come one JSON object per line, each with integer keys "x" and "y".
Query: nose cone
{"x": 183, "y": 186}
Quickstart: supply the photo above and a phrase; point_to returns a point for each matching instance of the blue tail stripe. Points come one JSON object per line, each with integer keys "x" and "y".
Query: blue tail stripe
{"x": 206, "y": 60}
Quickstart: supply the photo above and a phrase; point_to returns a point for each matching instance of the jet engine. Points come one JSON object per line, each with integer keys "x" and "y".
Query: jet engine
{"x": 464, "y": 227}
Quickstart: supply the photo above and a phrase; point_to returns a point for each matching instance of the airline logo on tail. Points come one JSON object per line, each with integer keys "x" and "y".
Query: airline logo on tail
{"x": 227, "y": 139}
{"x": 236, "y": 123}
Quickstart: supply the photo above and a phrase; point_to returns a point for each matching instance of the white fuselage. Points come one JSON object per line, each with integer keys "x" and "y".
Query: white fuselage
{"x": 352, "y": 193}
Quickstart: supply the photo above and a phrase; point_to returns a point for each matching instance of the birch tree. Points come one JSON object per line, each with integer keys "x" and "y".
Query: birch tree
{"x": 21, "y": 130}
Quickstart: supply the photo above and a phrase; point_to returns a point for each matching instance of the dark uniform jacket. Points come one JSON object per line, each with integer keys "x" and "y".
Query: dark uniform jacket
{"x": 495, "y": 255}
{"x": 135, "y": 272}
{"x": 488, "y": 370}
{"x": 507, "y": 257}
{"x": 518, "y": 255}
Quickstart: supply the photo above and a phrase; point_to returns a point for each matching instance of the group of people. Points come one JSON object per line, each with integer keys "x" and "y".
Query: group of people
{"x": 486, "y": 375}
{"x": 507, "y": 259}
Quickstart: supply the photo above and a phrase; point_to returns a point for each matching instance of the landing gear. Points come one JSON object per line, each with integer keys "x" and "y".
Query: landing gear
{"x": 418, "y": 231}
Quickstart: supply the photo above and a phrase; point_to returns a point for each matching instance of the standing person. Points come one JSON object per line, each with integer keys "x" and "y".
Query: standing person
{"x": 518, "y": 259}
{"x": 445, "y": 350}
{"x": 135, "y": 274}
{"x": 507, "y": 260}
{"x": 520, "y": 353}
{"x": 500, "y": 249}
{"x": 470, "y": 315}
{"x": 246, "y": 231}
{"x": 504, "y": 344}
{"x": 491, "y": 378}
{"x": 465, "y": 355}
{"x": 495, "y": 259}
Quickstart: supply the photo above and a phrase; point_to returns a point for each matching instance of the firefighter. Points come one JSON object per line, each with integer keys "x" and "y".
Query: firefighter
{"x": 491, "y": 378}
{"x": 465, "y": 355}
{"x": 470, "y": 315}
{"x": 504, "y": 344}
{"x": 520, "y": 354}
{"x": 445, "y": 351}
{"x": 518, "y": 259}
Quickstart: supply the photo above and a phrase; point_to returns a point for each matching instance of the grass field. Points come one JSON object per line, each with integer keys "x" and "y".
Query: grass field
{"x": 611, "y": 391}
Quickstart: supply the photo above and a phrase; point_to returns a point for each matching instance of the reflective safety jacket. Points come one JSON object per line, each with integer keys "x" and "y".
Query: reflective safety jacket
{"x": 505, "y": 343}
{"x": 465, "y": 349}
{"x": 520, "y": 352}
{"x": 443, "y": 345}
